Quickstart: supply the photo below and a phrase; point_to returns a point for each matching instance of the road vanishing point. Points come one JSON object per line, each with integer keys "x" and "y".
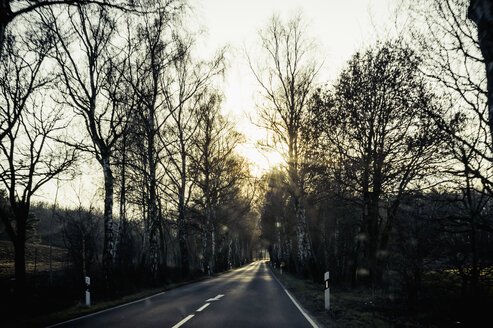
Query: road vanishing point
{"x": 248, "y": 297}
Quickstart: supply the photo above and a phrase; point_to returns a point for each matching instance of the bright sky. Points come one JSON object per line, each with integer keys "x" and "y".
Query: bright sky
{"x": 340, "y": 27}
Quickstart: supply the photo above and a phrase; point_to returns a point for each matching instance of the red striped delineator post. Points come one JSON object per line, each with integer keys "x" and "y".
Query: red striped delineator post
{"x": 327, "y": 291}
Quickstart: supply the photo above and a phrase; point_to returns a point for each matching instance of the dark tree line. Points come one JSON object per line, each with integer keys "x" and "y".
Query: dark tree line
{"x": 380, "y": 140}
{"x": 394, "y": 167}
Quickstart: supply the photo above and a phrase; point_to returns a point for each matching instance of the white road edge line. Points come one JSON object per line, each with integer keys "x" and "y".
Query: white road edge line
{"x": 203, "y": 307}
{"x": 307, "y": 317}
{"x": 183, "y": 321}
{"x": 106, "y": 310}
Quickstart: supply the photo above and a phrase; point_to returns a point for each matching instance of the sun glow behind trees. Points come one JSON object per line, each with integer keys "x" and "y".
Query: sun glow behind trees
{"x": 235, "y": 25}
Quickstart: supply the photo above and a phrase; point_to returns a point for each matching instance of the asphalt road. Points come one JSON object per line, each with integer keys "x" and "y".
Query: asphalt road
{"x": 248, "y": 297}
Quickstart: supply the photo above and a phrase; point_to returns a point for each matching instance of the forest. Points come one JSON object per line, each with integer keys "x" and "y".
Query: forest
{"x": 386, "y": 180}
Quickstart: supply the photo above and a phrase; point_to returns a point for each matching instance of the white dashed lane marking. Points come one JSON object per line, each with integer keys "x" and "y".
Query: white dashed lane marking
{"x": 203, "y": 307}
{"x": 183, "y": 321}
{"x": 217, "y": 298}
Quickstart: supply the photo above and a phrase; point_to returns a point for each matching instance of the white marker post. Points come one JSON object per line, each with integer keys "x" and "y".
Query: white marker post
{"x": 88, "y": 294}
{"x": 327, "y": 291}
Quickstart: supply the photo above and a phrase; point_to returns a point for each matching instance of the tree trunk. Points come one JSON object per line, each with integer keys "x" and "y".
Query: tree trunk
{"x": 383, "y": 243}
{"x": 182, "y": 241}
{"x": 481, "y": 13}
{"x": 279, "y": 246}
{"x": 20, "y": 264}
{"x": 162, "y": 241}
{"x": 5, "y": 18}
{"x": 182, "y": 225}
{"x": 84, "y": 270}
{"x": 123, "y": 196}
{"x": 21, "y": 213}
{"x": 51, "y": 232}
{"x": 182, "y": 232}
{"x": 230, "y": 253}
{"x": 206, "y": 251}
{"x": 109, "y": 242}
{"x": 213, "y": 248}
{"x": 370, "y": 272}
{"x": 145, "y": 218}
{"x": 154, "y": 251}
{"x": 303, "y": 238}
{"x": 474, "y": 251}
{"x": 205, "y": 248}
{"x": 3, "y": 26}
{"x": 363, "y": 267}
{"x": 238, "y": 254}
{"x": 373, "y": 229}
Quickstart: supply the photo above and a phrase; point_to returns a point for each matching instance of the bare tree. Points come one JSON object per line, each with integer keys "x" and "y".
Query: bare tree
{"x": 481, "y": 13}
{"x": 29, "y": 157}
{"x": 151, "y": 53}
{"x": 11, "y": 9}
{"x": 88, "y": 83}
{"x": 454, "y": 60}
{"x": 184, "y": 88}
{"x": 454, "y": 64}
{"x": 286, "y": 75}
{"x": 20, "y": 77}
{"x": 216, "y": 170}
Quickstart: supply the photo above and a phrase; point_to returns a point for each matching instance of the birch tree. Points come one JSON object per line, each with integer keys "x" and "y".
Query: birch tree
{"x": 184, "y": 88}
{"x": 85, "y": 58}
{"x": 216, "y": 170}
{"x": 151, "y": 53}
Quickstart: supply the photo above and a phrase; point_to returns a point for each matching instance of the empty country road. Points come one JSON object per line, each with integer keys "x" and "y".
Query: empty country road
{"x": 247, "y": 297}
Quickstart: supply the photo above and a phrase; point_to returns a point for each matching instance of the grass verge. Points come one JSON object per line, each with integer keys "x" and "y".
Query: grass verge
{"x": 355, "y": 308}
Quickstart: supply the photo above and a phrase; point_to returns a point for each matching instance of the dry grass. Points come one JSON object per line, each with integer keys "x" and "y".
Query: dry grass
{"x": 355, "y": 308}
{"x": 37, "y": 258}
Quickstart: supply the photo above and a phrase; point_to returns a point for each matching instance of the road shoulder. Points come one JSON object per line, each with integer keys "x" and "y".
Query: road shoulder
{"x": 300, "y": 307}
